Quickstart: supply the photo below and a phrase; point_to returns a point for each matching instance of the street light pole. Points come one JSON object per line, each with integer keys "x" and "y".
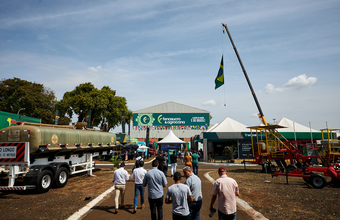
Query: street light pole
{"x": 20, "y": 110}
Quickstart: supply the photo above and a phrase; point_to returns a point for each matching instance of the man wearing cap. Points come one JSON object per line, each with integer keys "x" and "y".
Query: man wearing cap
{"x": 120, "y": 177}
{"x": 195, "y": 157}
{"x": 194, "y": 183}
{"x": 156, "y": 180}
{"x": 179, "y": 195}
{"x": 227, "y": 189}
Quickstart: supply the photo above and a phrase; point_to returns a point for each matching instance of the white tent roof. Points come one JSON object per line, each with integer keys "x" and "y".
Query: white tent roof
{"x": 229, "y": 125}
{"x": 293, "y": 126}
{"x": 212, "y": 127}
{"x": 171, "y": 138}
{"x": 141, "y": 147}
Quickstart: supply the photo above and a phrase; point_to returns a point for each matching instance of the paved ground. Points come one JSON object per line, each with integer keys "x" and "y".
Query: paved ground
{"x": 105, "y": 209}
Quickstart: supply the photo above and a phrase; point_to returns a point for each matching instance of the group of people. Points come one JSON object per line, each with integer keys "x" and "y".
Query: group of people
{"x": 191, "y": 160}
{"x": 186, "y": 199}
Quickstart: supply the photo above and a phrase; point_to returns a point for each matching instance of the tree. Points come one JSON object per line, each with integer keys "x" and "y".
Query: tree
{"x": 231, "y": 150}
{"x": 106, "y": 108}
{"x": 37, "y": 100}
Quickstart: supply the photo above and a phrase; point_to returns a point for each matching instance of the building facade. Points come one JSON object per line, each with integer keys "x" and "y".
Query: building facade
{"x": 184, "y": 121}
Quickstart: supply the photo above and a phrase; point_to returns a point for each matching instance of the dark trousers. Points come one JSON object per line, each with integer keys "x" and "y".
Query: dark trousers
{"x": 165, "y": 169}
{"x": 195, "y": 209}
{"x": 156, "y": 204}
{"x": 195, "y": 168}
{"x": 180, "y": 217}
{"x": 222, "y": 216}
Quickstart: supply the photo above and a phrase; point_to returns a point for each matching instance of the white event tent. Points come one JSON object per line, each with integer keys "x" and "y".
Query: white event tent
{"x": 171, "y": 138}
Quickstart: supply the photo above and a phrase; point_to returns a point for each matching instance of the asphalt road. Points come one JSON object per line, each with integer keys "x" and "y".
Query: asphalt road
{"x": 105, "y": 209}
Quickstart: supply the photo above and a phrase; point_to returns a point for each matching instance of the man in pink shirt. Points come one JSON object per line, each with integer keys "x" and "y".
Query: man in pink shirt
{"x": 227, "y": 189}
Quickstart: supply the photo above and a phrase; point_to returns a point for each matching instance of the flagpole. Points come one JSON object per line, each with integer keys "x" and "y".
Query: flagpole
{"x": 245, "y": 74}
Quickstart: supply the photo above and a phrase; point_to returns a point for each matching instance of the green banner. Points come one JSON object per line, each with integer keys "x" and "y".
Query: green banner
{"x": 10, "y": 119}
{"x": 171, "y": 119}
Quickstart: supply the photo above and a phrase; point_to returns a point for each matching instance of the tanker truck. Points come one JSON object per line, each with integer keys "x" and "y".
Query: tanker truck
{"x": 39, "y": 156}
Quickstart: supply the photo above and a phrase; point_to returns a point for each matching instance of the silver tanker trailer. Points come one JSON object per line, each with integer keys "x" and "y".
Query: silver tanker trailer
{"x": 37, "y": 156}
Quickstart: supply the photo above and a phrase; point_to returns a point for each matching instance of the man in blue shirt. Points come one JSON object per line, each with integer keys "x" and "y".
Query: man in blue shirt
{"x": 156, "y": 180}
{"x": 195, "y": 185}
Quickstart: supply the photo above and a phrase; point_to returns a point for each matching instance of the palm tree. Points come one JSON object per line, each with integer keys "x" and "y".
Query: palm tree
{"x": 232, "y": 150}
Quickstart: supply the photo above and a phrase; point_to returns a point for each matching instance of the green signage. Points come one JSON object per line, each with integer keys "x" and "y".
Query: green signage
{"x": 10, "y": 119}
{"x": 171, "y": 119}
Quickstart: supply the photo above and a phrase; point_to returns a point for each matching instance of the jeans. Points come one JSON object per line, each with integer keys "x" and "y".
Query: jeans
{"x": 195, "y": 209}
{"x": 156, "y": 204}
{"x": 165, "y": 169}
{"x": 173, "y": 168}
{"x": 195, "y": 168}
{"x": 119, "y": 189}
{"x": 139, "y": 188}
{"x": 222, "y": 216}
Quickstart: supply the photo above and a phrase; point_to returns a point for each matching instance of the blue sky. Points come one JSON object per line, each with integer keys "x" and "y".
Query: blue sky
{"x": 152, "y": 52}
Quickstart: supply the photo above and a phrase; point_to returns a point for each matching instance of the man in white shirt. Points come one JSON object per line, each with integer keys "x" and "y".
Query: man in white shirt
{"x": 138, "y": 175}
{"x": 120, "y": 177}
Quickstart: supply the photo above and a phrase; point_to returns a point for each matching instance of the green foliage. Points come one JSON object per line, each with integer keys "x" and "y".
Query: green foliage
{"x": 106, "y": 108}
{"x": 115, "y": 160}
{"x": 37, "y": 100}
{"x": 231, "y": 150}
{"x": 64, "y": 120}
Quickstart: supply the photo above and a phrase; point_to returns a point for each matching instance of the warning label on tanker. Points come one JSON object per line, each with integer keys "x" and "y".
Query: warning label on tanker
{"x": 8, "y": 152}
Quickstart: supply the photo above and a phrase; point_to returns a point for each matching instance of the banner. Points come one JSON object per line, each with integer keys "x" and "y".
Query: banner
{"x": 172, "y": 120}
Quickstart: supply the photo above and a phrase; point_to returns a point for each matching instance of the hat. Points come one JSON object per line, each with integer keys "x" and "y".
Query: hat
{"x": 177, "y": 176}
{"x": 221, "y": 169}
{"x": 122, "y": 164}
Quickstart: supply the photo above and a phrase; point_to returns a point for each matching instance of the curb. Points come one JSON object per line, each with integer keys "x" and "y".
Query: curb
{"x": 241, "y": 203}
{"x": 228, "y": 164}
{"x": 77, "y": 215}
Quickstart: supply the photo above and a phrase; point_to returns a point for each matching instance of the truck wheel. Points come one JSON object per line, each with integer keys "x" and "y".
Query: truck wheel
{"x": 61, "y": 177}
{"x": 306, "y": 179}
{"x": 317, "y": 181}
{"x": 44, "y": 181}
{"x": 290, "y": 168}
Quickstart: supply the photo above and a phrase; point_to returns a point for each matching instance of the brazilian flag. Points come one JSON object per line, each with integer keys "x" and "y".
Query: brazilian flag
{"x": 219, "y": 81}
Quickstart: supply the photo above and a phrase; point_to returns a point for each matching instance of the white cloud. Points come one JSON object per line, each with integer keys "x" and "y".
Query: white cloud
{"x": 42, "y": 36}
{"x": 209, "y": 103}
{"x": 300, "y": 82}
{"x": 271, "y": 89}
{"x": 96, "y": 69}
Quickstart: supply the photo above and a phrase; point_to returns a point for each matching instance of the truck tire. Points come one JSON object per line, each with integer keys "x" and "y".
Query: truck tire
{"x": 61, "y": 177}
{"x": 44, "y": 181}
{"x": 290, "y": 168}
{"x": 317, "y": 181}
{"x": 306, "y": 179}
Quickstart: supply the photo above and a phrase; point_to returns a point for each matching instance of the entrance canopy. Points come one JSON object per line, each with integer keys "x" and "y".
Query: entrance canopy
{"x": 171, "y": 138}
